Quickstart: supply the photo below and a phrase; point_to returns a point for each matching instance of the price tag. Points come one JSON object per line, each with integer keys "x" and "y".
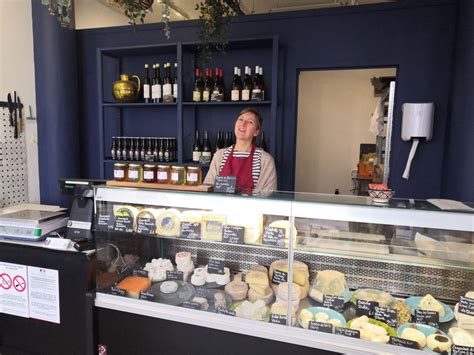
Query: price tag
{"x": 174, "y": 275}
{"x": 225, "y": 311}
{"x": 278, "y": 319}
{"x": 279, "y": 276}
{"x": 320, "y": 326}
{"x": 146, "y": 296}
{"x": 274, "y": 236}
{"x": 386, "y": 315}
{"x": 140, "y": 272}
{"x": 117, "y": 291}
{"x": 351, "y": 333}
{"x": 215, "y": 266}
{"x": 404, "y": 343}
{"x": 146, "y": 226}
{"x": 104, "y": 222}
{"x": 430, "y": 318}
{"x": 334, "y": 302}
{"x": 233, "y": 234}
{"x": 190, "y": 230}
{"x": 462, "y": 350}
{"x": 366, "y": 308}
{"x": 225, "y": 184}
{"x": 123, "y": 224}
{"x": 466, "y": 306}
{"x": 191, "y": 305}
{"x": 149, "y": 157}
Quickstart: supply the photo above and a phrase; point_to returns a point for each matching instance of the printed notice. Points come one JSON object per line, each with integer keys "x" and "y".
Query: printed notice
{"x": 43, "y": 292}
{"x": 14, "y": 290}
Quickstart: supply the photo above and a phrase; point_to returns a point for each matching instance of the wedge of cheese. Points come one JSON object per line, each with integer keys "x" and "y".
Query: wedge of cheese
{"x": 429, "y": 303}
{"x": 328, "y": 282}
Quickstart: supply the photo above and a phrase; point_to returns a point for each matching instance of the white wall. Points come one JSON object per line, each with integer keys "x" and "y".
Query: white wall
{"x": 334, "y": 111}
{"x": 17, "y": 73}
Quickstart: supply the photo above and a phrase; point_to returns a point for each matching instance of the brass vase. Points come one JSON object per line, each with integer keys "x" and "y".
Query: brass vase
{"x": 126, "y": 90}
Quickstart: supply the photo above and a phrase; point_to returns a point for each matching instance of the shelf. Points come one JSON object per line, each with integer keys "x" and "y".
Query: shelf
{"x": 228, "y": 103}
{"x": 140, "y": 162}
{"x": 157, "y": 186}
{"x": 137, "y": 104}
{"x": 190, "y": 163}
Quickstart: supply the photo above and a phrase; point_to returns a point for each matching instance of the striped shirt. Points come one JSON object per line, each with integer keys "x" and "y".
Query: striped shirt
{"x": 256, "y": 164}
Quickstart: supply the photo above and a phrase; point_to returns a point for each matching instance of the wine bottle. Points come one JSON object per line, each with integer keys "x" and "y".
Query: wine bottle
{"x": 175, "y": 82}
{"x": 155, "y": 149}
{"x": 197, "y": 90}
{"x": 206, "y": 148}
{"x": 197, "y": 149}
{"x": 166, "y": 153}
{"x": 167, "y": 85}
{"x": 136, "y": 152}
{"x": 262, "y": 83}
{"x": 228, "y": 139}
{"x": 113, "y": 154}
{"x": 256, "y": 90}
{"x": 208, "y": 86}
{"x": 146, "y": 85}
{"x": 153, "y": 84}
{"x": 263, "y": 143}
{"x": 125, "y": 148}
{"x": 142, "y": 148}
{"x": 247, "y": 85}
{"x": 158, "y": 87}
{"x": 161, "y": 151}
{"x": 236, "y": 86}
{"x": 118, "y": 150}
{"x": 222, "y": 84}
{"x": 131, "y": 149}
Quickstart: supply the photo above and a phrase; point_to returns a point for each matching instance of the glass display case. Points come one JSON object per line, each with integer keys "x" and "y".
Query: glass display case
{"x": 307, "y": 269}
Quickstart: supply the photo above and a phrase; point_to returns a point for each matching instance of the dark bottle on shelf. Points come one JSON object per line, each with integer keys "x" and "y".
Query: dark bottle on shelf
{"x": 118, "y": 151}
{"x": 155, "y": 149}
{"x": 228, "y": 139}
{"x": 113, "y": 150}
{"x": 149, "y": 150}
{"x": 167, "y": 85}
{"x": 131, "y": 149}
{"x": 125, "y": 147}
{"x": 175, "y": 82}
{"x": 136, "y": 152}
{"x": 155, "y": 86}
{"x": 336, "y": 192}
{"x": 146, "y": 85}
{"x": 161, "y": 150}
{"x": 218, "y": 140}
{"x": 236, "y": 86}
{"x": 218, "y": 89}
{"x": 142, "y": 148}
{"x": 263, "y": 143}
{"x": 175, "y": 149}
{"x": 221, "y": 80}
{"x": 208, "y": 86}
{"x": 197, "y": 149}
{"x": 247, "y": 85}
{"x": 206, "y": 148}
{"x": 262, "y": 82}
{"x": 256, "y": 90}
{"x": 166, "y": 153}
{"x": 197, "y": 89}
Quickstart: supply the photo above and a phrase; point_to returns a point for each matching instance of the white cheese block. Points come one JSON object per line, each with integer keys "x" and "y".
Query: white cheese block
{"x": 253, "y": 311}
{"x": 414, "y": 335}
{"x": 328, "y": 282}
{"x": 191, "y": 216}
{"x": 253, "y": 224}
{"x": 300, "y": 271}
{"x": 168, "y": 223}
{"x": 212, "y": 225}
{"x": 429, "y": 303}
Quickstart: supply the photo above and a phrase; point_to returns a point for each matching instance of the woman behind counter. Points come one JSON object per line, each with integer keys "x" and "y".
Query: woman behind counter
{"x": 253, "y": 167}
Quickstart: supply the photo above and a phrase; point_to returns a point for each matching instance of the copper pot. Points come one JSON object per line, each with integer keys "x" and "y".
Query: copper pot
{"x": 126, "y": 90}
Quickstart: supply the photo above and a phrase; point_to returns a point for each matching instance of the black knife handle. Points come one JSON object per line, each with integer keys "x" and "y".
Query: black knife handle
{"x": 15, "y": 132}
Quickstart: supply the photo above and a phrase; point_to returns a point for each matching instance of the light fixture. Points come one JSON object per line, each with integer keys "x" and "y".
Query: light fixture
{"x": 62, "y": 8}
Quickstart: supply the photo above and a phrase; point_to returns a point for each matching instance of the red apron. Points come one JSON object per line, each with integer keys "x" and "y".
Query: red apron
{"x": 241, "y": 168}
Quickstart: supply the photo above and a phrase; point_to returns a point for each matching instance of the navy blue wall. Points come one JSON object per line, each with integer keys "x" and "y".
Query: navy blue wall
{"x": 56, "y": 103}
{"x": 458, "y": 178}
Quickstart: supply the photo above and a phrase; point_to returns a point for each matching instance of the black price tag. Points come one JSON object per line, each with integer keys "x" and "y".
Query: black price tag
{"x": 146, "y": 296}
{"x": 278, "y": 319}
{"x": 366, "y": 308}
{"x": 466, "y": 306}
{"x": 123, "y": 224}
{"x": 430, "y": 318}
{"x": 320, "y": 326}
{"x": 117, "y": 291}
{"x": 225, "y": 184}
{"x": 204, "y": 292}
{"x": 462, "y": 350}
{"x": 404, "y": 342}
{"x": 174, "y": 275}
{"x": 274, "y": 236}
{"x": 225, "y": 311}
{"x": 279, "y": 276}
{"x": 386, "y": 315}
{"x": 334, "y": 302}
{"x": 140, "y": 272}
{"x": 351, "y": 333}
{"x": 190, "y": 230}
{"x": 146, "y": 226}
{"x": 215, "y": 266}
{"x": 104, "y": 222}
{"x": 233, "y": 234}
{"x": 191, "y": 305}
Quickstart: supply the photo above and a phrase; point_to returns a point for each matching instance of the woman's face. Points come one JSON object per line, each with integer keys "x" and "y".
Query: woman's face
{"x": 246, "y": 127}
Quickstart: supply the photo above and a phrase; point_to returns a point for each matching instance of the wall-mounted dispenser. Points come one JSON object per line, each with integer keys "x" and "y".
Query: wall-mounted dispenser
{"x": 417, "y": 125}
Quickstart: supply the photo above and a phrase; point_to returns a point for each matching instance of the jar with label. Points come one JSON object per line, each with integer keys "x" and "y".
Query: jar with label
{"x": 178, "y": 175}
{"x": 120, "y": 171}
{"x": 163, "y": 174}
{"x": 135, "y": 172}
{"x": 193, "y": 176}
{"x": 149, "y": 172}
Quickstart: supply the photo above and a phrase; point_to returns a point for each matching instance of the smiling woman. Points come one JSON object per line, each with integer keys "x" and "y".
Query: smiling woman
{"x": 253, "y": 167}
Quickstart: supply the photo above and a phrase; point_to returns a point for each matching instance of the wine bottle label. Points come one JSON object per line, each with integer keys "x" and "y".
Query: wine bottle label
{"x": 196, "y": 96}
{"x": 158, "y": 91}
{"x": 245, "y": 95}
{"x": 196, "y": 156}
{"x": 205, "y": 96}
{"x": 257, "y": 95}
{"x": 192, "y": 177}
{"x": 153, "y": 91}
{"x": 133, "y": 174}
{"x": 175, "y": 91}
{"x": 148, "y": 175}
{"x": 206, "y": 154}
{"x": 119, "y": 174}
{"x": 234, "y": 95}
{"x": 174, "y": 177}
{"x": 162, "y": 175}
{"x": 167, "y": 90}
{"x": 146, "y": 91}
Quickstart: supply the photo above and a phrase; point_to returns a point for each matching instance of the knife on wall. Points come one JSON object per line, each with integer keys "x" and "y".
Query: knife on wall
{"x": 20, "y": 117}
{"x": 10, "y": 108}
{"x": 15, "y": 130}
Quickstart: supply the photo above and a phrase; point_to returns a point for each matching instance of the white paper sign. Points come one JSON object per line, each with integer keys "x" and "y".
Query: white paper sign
{"x": 43, "y": 292}
{"x": 14, "y": 290}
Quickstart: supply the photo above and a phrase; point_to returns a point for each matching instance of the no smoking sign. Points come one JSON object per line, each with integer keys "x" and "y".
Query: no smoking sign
{"x": 19, "y": 283}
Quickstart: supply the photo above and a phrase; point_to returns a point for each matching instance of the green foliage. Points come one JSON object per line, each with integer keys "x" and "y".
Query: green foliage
{"x": 135, "y": 10}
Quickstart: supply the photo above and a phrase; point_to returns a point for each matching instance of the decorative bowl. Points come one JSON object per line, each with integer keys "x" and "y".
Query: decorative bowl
{"x": 381, "y": 196}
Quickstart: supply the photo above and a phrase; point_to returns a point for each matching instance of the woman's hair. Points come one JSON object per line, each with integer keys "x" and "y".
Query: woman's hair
{"x": 256, "y": 113}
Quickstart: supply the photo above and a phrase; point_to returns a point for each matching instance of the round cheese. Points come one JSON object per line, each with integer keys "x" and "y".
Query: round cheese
{"x": 168, "y": 223}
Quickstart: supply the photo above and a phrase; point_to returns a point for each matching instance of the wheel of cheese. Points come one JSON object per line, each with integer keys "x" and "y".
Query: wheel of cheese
{"x": 237, "y": 290}
{"x": 260, "y": 268}
{"x": 267, "y": 296}
{"x": 168, "y": 223}
{"x": 169, "y": 287}
{"x": 414, "y": 335}
{"x": 300, "y": 271}
{"x": 257, "y": 278}
{"x": 282, "y": 292}
{"x": 438, "y": 343}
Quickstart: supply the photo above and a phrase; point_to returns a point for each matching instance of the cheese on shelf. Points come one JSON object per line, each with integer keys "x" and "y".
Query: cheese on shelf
{"x": 300, "y": 274}
{"x": 134, "y": 284}
{"x": 253, "y": 224}
{"x": 212, "y": 225}
{"x": 168, "y": 223}
{"x": 328, "y": 282}
{"x": 429, "y": 303}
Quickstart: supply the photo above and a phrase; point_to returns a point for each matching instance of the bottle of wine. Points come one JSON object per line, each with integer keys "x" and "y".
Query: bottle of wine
{"x": 149, "y": 150}
{"x": 256, "y": 91}
{"x": 113, "y": 150}
{"x": 131, "y": 149}
{"x": 125, "y": 148}
{"x": 142, "y": 148}
{"x": 118, "y": 150}
{"x": 153, "y": 85}
{"x": 206, "y": 148}
{"x": 222, "y": 83}
{"x": 161, "y": 151}
{"x": 167, "y": 85}
{"x": 159, "y": 91}
{"x": 218, "y": 139}
{"x": 262, "y": 82}
{"x": 155, "y": 149}
{"x": 228, "y": 139}
{"x": 197, "y": 149}
{"x": 208, "y": 86}
{"x": 166, "y": 154}
{"x": 197, "y": 90}
{"x": 136, "y": 152}
{"x": 146, "y": 85}
{"x": 175, "y": 82}
{"x": 247, "y": 86}
{"x": 236, "y": 86}
{"x": 263, "y": 143}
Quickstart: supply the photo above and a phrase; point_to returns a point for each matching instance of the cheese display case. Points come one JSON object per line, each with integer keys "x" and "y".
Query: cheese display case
{"x": 312, "y": 270}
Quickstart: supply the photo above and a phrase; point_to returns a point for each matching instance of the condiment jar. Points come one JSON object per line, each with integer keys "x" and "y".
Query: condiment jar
{"x": 163, "y": 174}
{"x": 120, "y": 171}
{"x": 149, "y": 173}
{"x": 193, "y": 176}
{"x": 178, "y": 175}
{"x": 135, "y": 172}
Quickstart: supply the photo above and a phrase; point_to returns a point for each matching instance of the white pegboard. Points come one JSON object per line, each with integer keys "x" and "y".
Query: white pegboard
{"x": 13, "y": 164}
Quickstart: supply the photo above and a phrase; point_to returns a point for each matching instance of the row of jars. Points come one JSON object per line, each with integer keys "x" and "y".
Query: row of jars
{"x": 161, "y": 174}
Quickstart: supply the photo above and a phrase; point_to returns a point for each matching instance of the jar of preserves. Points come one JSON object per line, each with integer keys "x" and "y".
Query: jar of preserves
{"x": 193, "y": 176}
{"x": 163, "y": 174}
{"x": 149, "y": 173}
{"x": 120, "y": 171}
{"x": 178, "y": 175}
{"x": 135, "y": 172}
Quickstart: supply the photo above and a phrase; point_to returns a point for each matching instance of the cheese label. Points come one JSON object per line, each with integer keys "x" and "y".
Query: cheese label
{"x": 351, "y": 333}
{"x": 215, "y": 266}
{"x": 278, "y": 319}
{"x": 334, "y": 302}
{"x": 190, "y": 230}
{"x": 225, "y": 184}
{"x": 146, "y": 226}
{"x": 403, "y": 342}
{"x": 233, "y": 234}
{"x": 140, "y": 272}
{"x": 466, "y": 306}
{"x": 225, "y": 311}
{"x": 174, "y": 275}
{"x": 104, "y": 222}
{"x": 386, "y": 315}
{"x": 191, "y": 305}
{"x": 462, "y": 350}
{"x": 279, "y": 276}
{"x": 320, "y": 326}
{"x": 274, "y": 236}
{"x": 117, "y": 291}
{"x": 146, "y": 296}
{"x": 430, "y": 318}
{"x": 366, "y": 308}
{"x": 123, "y": 224}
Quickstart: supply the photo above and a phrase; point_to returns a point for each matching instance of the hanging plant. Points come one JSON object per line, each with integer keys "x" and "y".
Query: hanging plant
{"x": 214, "y": 28}
{"x": 135, "y": 10}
